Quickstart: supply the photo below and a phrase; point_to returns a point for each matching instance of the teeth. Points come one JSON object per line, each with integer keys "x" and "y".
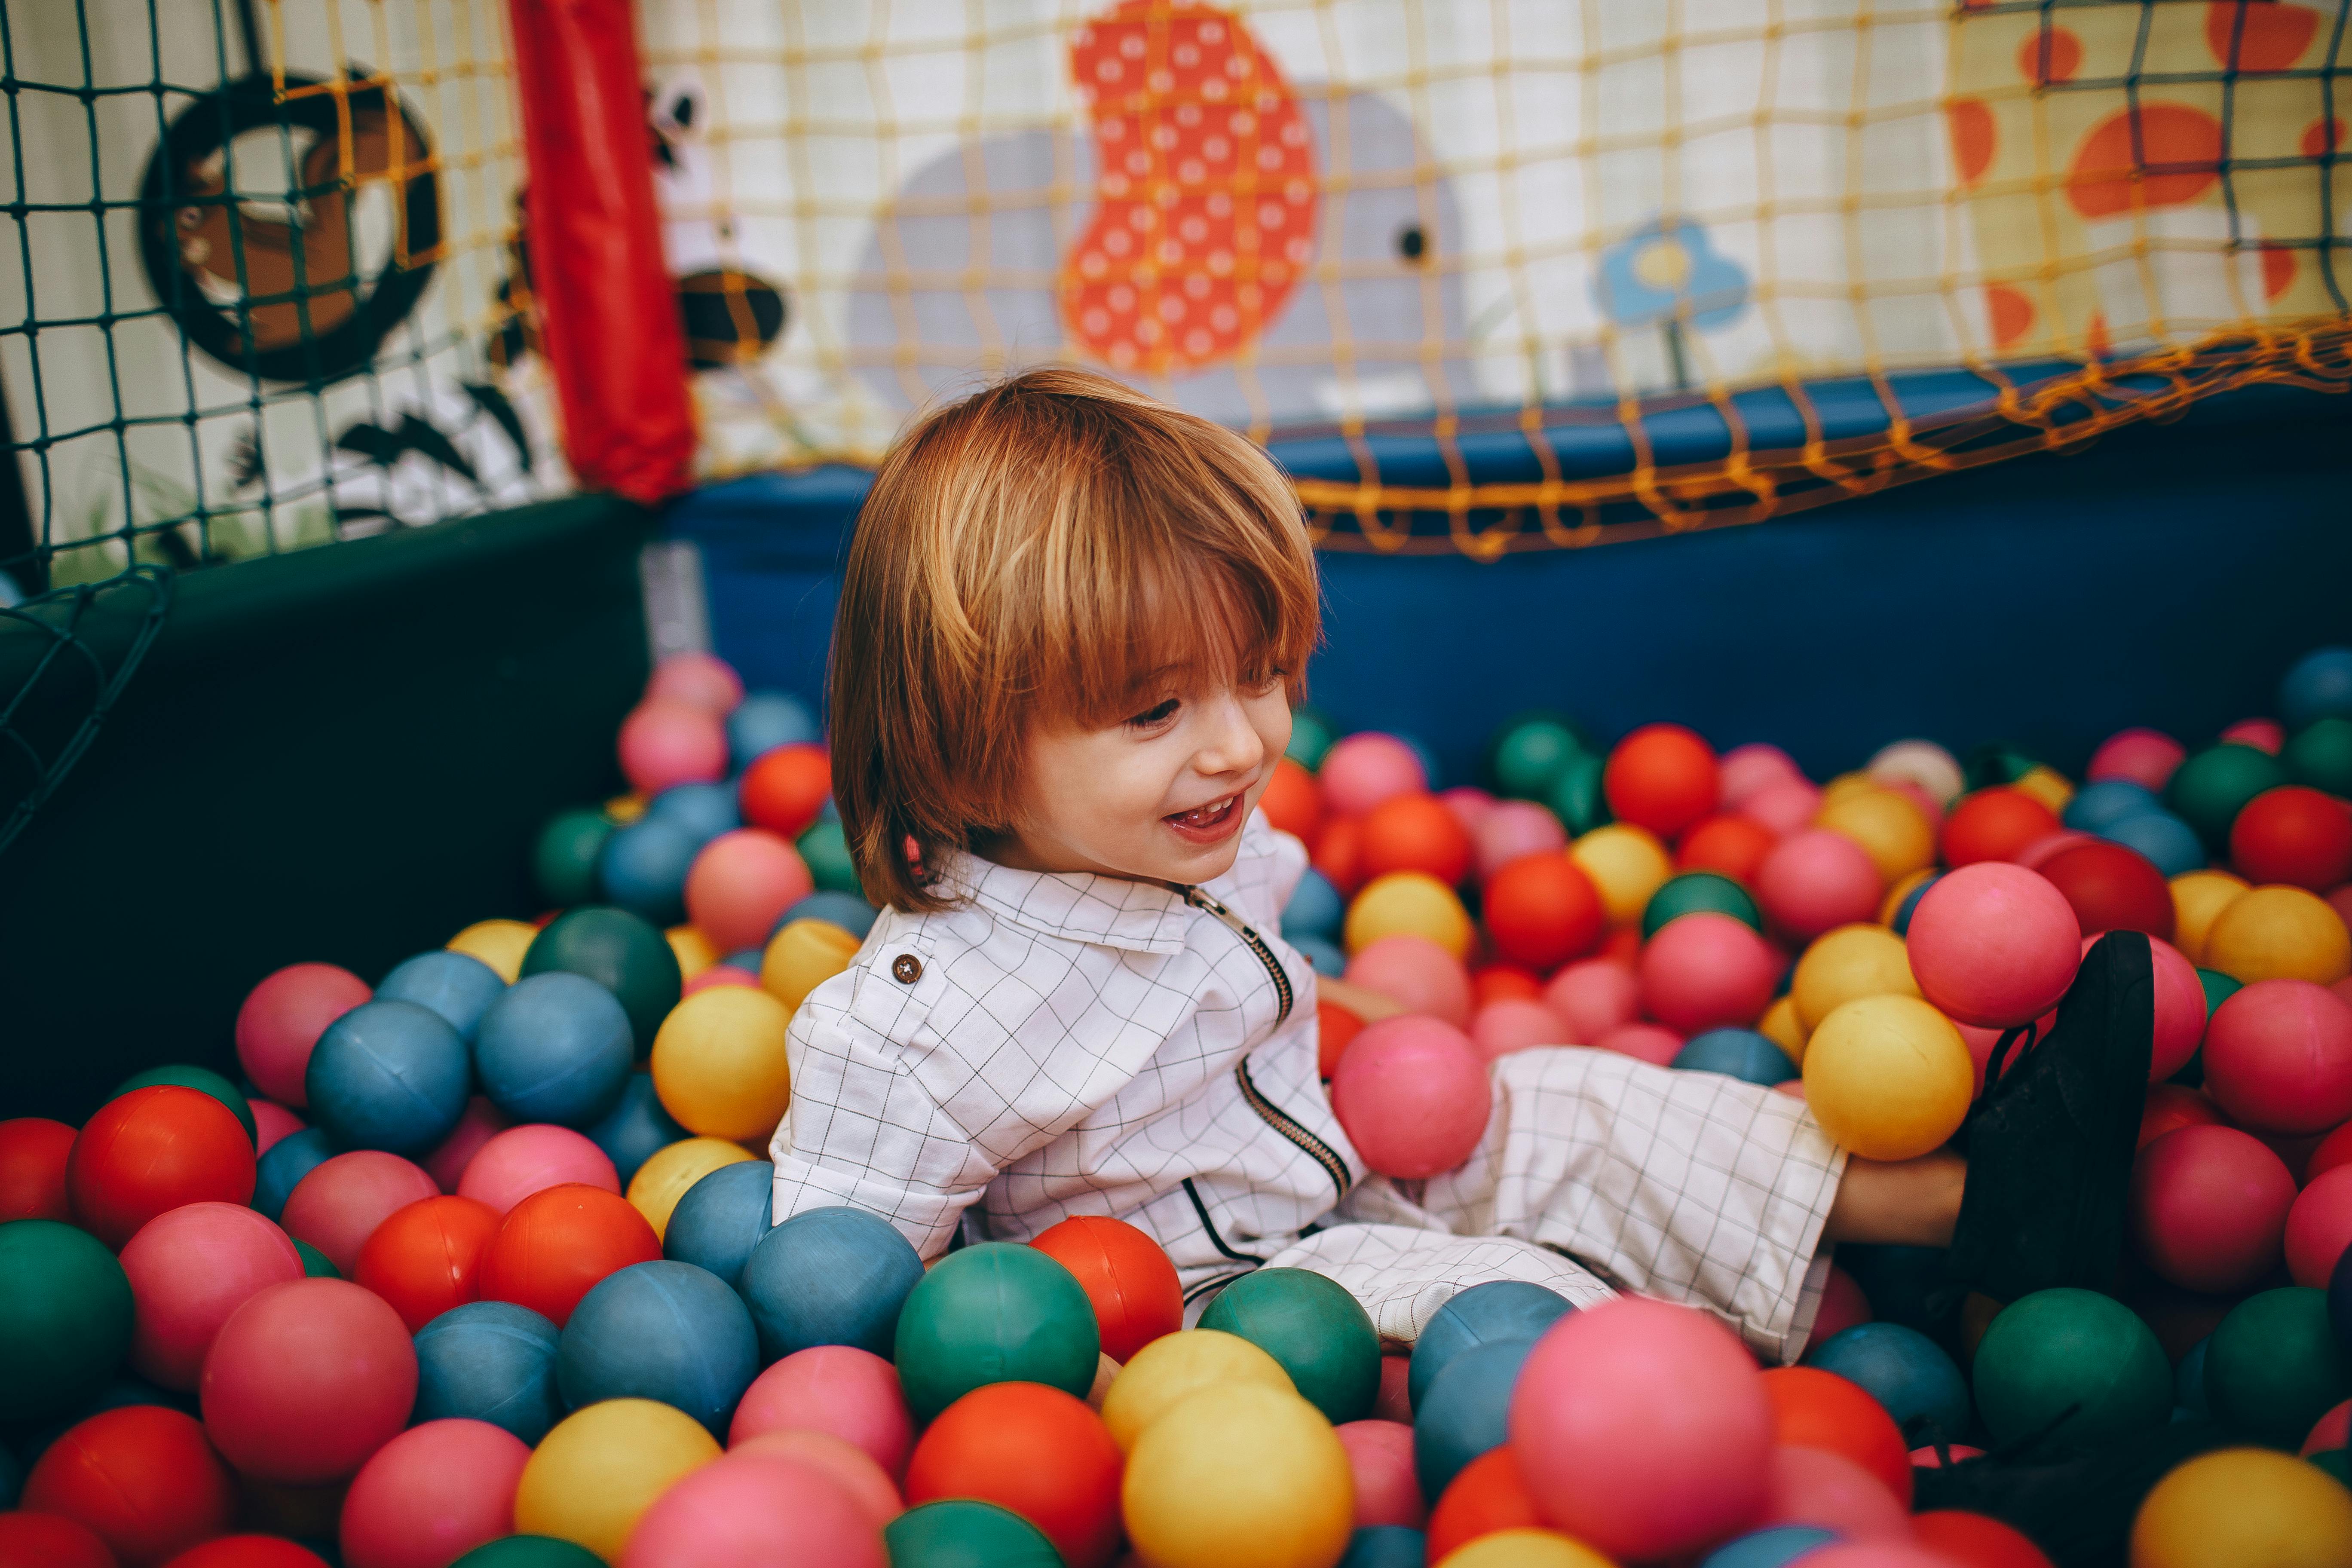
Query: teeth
{"x": 1205, "y": 815}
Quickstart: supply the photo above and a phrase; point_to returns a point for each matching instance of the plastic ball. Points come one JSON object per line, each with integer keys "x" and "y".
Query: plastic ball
{"x": 833, "y": 1276}
{"x": 965, "y": 1533}
{"x": 306, "y": 1380}
{"x": 804, "y": 955}
{"x": 1363, "y": 770}
{"x": 1827, "y": 1490}
{"x": 1238, "y": 1476}
{"x": 282, "y": 1018}
{"x": 1529, "y": 754}
{"x": 635, "y": 1129}
{"x": 1922, "y": 763}
{"x": 1500, "y": 1311}
{"x": 2295, "y": 835}
{"x": 1645, "y": 1042}
{"x": 1413, "y": 1096}
{"x": 2320, "y": 756}
{"x": 489, "y": 1361}
{"x": 992, "y": 1312}
{"x": 1888, "y": 1077}
{"x": 1036, "y": 1451}
{"x": 1661, "y": 777}
{"x": 2319, "y": 1227}
{"x": 1627, "y": 866}
{"x": 2210, "y": 789}
{"x": 1542, "y": 910}
{"x": 721, "y": 1218}
{"x": 1814, "y": 880}
{"x": 775, "y": 1503}
{"x": 155, "y": 1149}
{"x": 1976, "y": 1540}
{"x": 1746, "y": 769}
{"x": 426, "y": 1258}
{"x": 669, "y": 1174}
{"x": 2208, "y": 1208}
{"x": 2165, "y": 841}
{"x": 1513, "y": 828}
{"x": 1488, "y": 1498}
{"x": 2112, "y": 888}
{"x": 1315, "y": 908}
{"x": 2070, "y": 1372}
{"x": 742, "y": 883}
{"x": 718, "y": 1063}
{"x": 764, "y": 721}
{"x": 565, "y": 856}
{"x": 1995, "y": 824}
{"x": 1889, "y": 826}
{"x": 1293, "y": 801}
{"x": 2143, "y": 757}
{"x": 338, "y": 1205}
{"x": 662, "y": 1331}
{"x": 1782, "y": 807}
{"x": 1907, "y": 1373}
{"x": 1845, "y": 965}
{"x": 1126, "y": 1277}
{"x": 703, "y": 810}
{"x": 204, "y": 1081}
{"x": 627, "y": 955}
{"x": 556, "y": 1048}
{"x": 432, "y": 1494}
{"x": 664, "y": 743}
{"x": 1706, "y": 970}
{"x": 555, "y": 1245}
{"x": 1593, "y": 998}
{"x": 642, "y": 868}
{"x": 1319, "y": 1334}
{"x": 1174, "y": 1366}
{"x": 512, "y": 1165}
{"x": 66, "y": 1316}
{"x": 2279, "y": 933}
{"x": 2102, "y": 803}
{"x": 1513, "y": 1024}
{"x": 279, "y": 1171}
{"x": 1408, "y": 903}
{"x": 51, "y": 1540}
{"x": 2273, "y": 1367}
{"x": 389, "y": 1075}
{"x": 851, "y": 1393}
{"x": 1742, "y": 1054}
{"x": 1817, "y": 1409}
{"x": 140, "y": 1479}
{"x": 1465, "y": 1411}
{"x": 593, "y": 1476}
{"x": 1731, "y": 847}
{"x": 1576, "y": 798}
{"x": 33, "y": 1155}
{"x": 2197, "y": 900}
{"x": 2278, "y": 1058}
{"x": 189, "y": 1269}
{"x": 1416, "y": 833}
{"x": 1693, "y": 892}
{"x": 697, "y": 678}
{"x": 2317, "y": 686}
{"x": 2249, "y": 1508}
{"x": 1416, "y": 973}
{"x": 848, "y": 910}
{"x": 1993, "y": 945}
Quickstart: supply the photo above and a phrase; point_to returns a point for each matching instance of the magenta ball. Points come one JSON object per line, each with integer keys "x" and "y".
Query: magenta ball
{"x": 665, "y": 744}
{"x": 1652, "y": 1043}
{"x": 531, "y": 1159}
{"x": 753, "y": 1511}
{"x": 1469, "y": 805}
{"x": 2278, "y": 1058}
{"x": 282, "y": 1018}
{"x": 2144, "y": 757}
{"x": 850, "y": 1393}
{"x": 189, "y": 1269}
{"x": 1593, "y": 997}
{"x": 2319, "y": 1227}
{"x": 698, "y": 679}
{"x": 271, "y": 1122}
{"x": 1816, "y": 880}
{"x": 1642, "y": 1429}
{"x": 1380, "y": 1456}
{"x": 481, "y": 1122}
{"x": 1513, "y": 828}
{"x": 1994, "y": 944}
{"x": 1784, "y": 806}
{"x": 1830, "y": 1491}
{"x": 307, "y": 1380}
{"x": 2261, "y": 734}
{"x": 339, "y": 1205}
{"x": 1513, "y": 1024}
{"x": 433, "y": 1494}
{"x": 2208, "y": 1208}
{"x": 1416, "y": 971}
{"x": 1412, "y": 1095}
{"x": 1706, "y": 970}
{"x": 1360, "y": 771}
{"x": 1746, "y": 770}
{"x": 2179, "y": 1008}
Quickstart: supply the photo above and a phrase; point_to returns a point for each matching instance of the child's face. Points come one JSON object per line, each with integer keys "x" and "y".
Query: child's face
{"x": 1160, "y": 796}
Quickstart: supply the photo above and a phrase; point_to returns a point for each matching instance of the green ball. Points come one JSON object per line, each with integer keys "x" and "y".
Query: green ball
{"x": 626, "y": 955}
{"x": 1310, "y": 736}
{"x": 2056, "y": 1351}
{"x": 1694, "y": 891}
{"x": 1321, "y": 1335}
{"x": 2219, "y": 988}
{"x": 1529, "y": 754}
{"x": 2273, "y": 1367}
{"x": 2320, "y": 756}
{"x": 2210, "y": 789}
{"x": 961, "y": 1532}
{"x": 203, "y": 1080}
{"x": 826, "y": 850}
{"x": 563, "y": 862}
{"x": 528, "y": 1552}
{"x": 1997, "y": 763}
{"x": 996, "y": 1313}
{"x": 316, "y": 1265}
{"x": 1576, "y": 798}
{"x": 65, "y": 1318}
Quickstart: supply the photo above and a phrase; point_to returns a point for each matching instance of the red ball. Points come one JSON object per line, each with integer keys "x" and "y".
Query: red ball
{"x": 307, "y": 1381}
{"x": 555, "y": 1244}
{"x": 784, "y": 790}
{"x": 282, "y": 1019}
{"x": 2170, "y": 1107}
{"x": 1542, "y": 910}
{"x": 1661, "y": 777}
{"x": 142, "y": 1478}
{"x": 1416, "y": 833}
{"x": 1487, "y": 1495}
{"x": 1293, "y": 801}
{"x": 2293, "y": 835}
{"x": 1412, "y": 1094}
{"x": 1504, "y": 983}
{"x": 1817, "y": 1409}
{"x": 2112, "y": 888}
{"x": 1995, "y": 824}
{"x": 189, "y": 1269}
{"x": 2208, "y": 1208}
{"x": 339, "y": 1205}
{"x": 1706, "y": 970}
{"x": 1335, "y": 1026}
{"x": 1033, "y": 1449}
{"x": 1975, "y": 1541}
{"x": 2334, "y": 1149}
{"x": 1380, "y": 1458}
{"x": 1843, "y": 1306}
{"x": 426, "y": 1257}
{"x": 1340, "y": 852}
{"x": 1593, "y": 998}
{"x": 1829, "y": 1492}
{"x": 248, "y": 1551}
{"x": 50, "y": 1540}
{"x": 1817, "y": 880}
{"x": 1126, "y": 1274}
{"x": 151, "y": 1150}
{"x": 33, "y": 1152}
{"x": 740, "y": 885}
{"x": 2278, "y": 1058}
{"x": 2318, "y": 1228}
{"x": 1734, "y": 846}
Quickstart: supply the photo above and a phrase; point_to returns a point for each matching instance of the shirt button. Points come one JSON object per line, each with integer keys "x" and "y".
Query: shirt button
{"x": 906, "y": 968}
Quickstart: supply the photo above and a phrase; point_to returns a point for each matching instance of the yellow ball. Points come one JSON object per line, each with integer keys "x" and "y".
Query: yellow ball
{"x": 1410, "y": 903}
{"x": 624, "y": 809}
{"x": 803, "y": 956}
{"x": 1888, "y": 1077}
{"x": 693, "y": 951}
{"x": 1524, "y": 1549}
{"x": 1848, "y": 964}
{"x": 499, "y": 943}
{"x": 2279, "y": 933}
{"x": 1845, "y": 786}
{"x": 663, "y": 1178}
{"x": 1173, "y": 1365}
{"x": 602, "y": 1467}
{"x": 718, "y": 1063}
{"x": 1891, "y": 828}
{"x": 2197, "y": 900}
{"x": 1239, "y": 1476}
{"x": 1892, "y": 905}
{"x": 1781, "y": 1025}
{"x": 1627, "y": 864}
{"x": 2048, "y": 785}
{"x": 2245, "y": 1507}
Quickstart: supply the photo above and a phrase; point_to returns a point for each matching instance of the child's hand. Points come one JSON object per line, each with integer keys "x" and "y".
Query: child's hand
{"x": 1369, "y": 1005}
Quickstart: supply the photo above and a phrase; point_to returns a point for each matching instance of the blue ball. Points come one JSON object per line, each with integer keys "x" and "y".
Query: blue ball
{"x": 457, "y": 985}
{"x": 749, "y": 961}
{"x": 1500, "y": 1310}
{"x": 1901, "y": 923}
{"x": 1316, "y": 909}
{"x": 2317, "y": 686}
{"x": 1778, "y": 1546}
{"x": 2170, "y": 843}
{"x": 723, "y": 1217}
{"x": 667, "y": 1331}
{"x": 643, "y": 867}
{"x": 636, "y": 1127}
{"x": 704, "y": 810}
{"x": 1325, "y": 957}
{"x": 847, "y": 911}
{"x": 830, "y": 1277}
{"x": 556, "y": 1048}
{"x": 289, "y": 1160}
{"x": 764, "y": 721}
{"x": 2099, "y": 805}
{"x": 1466, "y": 1411}
{"x": 2189, "y": 1380}
{"x": 489, "y": 1361}
{"x": 1386, "y": 1546}
{"x": 388, "y": 1074}
{"x": 1742, "y": 1054}
{"x": 1905, "y": 1372}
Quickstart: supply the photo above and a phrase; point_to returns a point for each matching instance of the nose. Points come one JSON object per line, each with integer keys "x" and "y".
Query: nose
{"x": 1230, "y": 743}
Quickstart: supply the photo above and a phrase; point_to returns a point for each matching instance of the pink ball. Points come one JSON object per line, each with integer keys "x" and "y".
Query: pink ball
{"x": 481, "y": 1122}
{"x": 1928, "y": 1459}
{"x": 2208, "y": 1208}
{"x": 666, "y": 742}
{"x": 307, "y": 1380}
{"x": 2044, "y": 851}
{"x": 1993, "y": 944}
{"x": 1794, "y": 1088}
{"x": 1815, "y": 1487}
{"x": 189, "y": 1269}
{"x": 1706, "y": 970}
{"x": 698, "y": 679}
{"x": 1412, "y": 1095}
{"x": 1388, "y": 1490}
{"x": 1514, "y": 1023}
{"x": 1417, "y": 972}
{"x": 1362, "y": 770}
{"x": 283, "y": 1017}
{"x": 851, "y": 1467}
{"x": 1642, "y": 1429}
{"x": 1876, "y": 1554}
{"x": 433, "y": 1494}
{"x": 1395, "y": 1400}
{"x": 1512, "y": 828}
{"x": 740, "y": 885}
{"x": 1784, "y": 806}
{"x": 2319, "y": 1227}
{"x": 2144, "y": 757}
{"x": 1842, "y": 1307}
{"x": 721, "y": 974}
{"x": 1593, "y": 997}
{"x": 1643, "y": 1042}
{"x": 2278, "y": 1058}
{"x": 2333, "y": 1430}
{"x": 1469, "y": 805}
{"x": 1816, "y": 880}
{"x": 1744, "y": 771}
{"x": 531, "y": 1159}
{"x": 2261, "y": 734}
{"x": 850, "y": 1393}
{"x": 339, "y": 1205}
{"x": 753, "y": 1510}
{"x": 2179, "y": 1008}
{"x": 272, "y": 1122}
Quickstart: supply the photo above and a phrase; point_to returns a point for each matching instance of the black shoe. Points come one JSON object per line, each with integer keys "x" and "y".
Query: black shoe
{"x": 2079, "y": 1511}
{"x": 2049, "y": 1141}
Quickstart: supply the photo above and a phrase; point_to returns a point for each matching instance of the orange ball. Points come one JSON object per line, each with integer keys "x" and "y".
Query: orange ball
{"x": 2295, "y": 835}
{"x": 1337, "y": 1026}
{"x": 1416, "y": 833}
{"x": 555, "y": 1245}
{"x": 1995, "y": 824}
{"x": 1734, "y": 846}
{"x": 1542, "y": 910}
{"x": 1293, "y": 801}
{"x": 1125, "y": 1274}
{"x": 427, "y": 1258}
{"x": 1817, "y": 1409}
{"x": 1486, "y": 1495}
{"x": 784, "y": 790}
{"x": 1035, "y": 1450}
{"x": 1504, "y": 982}
{"x": 1975, "y": 1541}
{"x": 1661, "y": 777}
{"x": 1340, "y": 853}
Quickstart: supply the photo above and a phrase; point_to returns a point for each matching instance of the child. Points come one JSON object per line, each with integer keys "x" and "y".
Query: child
{"x": 1071, "y": 629}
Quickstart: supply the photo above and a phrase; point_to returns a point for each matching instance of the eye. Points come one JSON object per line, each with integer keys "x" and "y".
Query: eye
{"x": 1152, "y": 716}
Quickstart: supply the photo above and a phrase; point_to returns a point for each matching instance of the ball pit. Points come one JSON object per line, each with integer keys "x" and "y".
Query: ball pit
{"x": 1815, "y": 881}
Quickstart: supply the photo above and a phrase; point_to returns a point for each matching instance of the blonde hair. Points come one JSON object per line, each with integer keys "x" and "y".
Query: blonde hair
{"x": 1041, "y": 553}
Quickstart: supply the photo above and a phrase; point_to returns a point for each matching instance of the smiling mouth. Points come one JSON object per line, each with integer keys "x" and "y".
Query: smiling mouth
{"x": 1203, "y": 818}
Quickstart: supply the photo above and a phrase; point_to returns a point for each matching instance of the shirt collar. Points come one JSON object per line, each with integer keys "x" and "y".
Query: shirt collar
{"x": 1077, "y": 906}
